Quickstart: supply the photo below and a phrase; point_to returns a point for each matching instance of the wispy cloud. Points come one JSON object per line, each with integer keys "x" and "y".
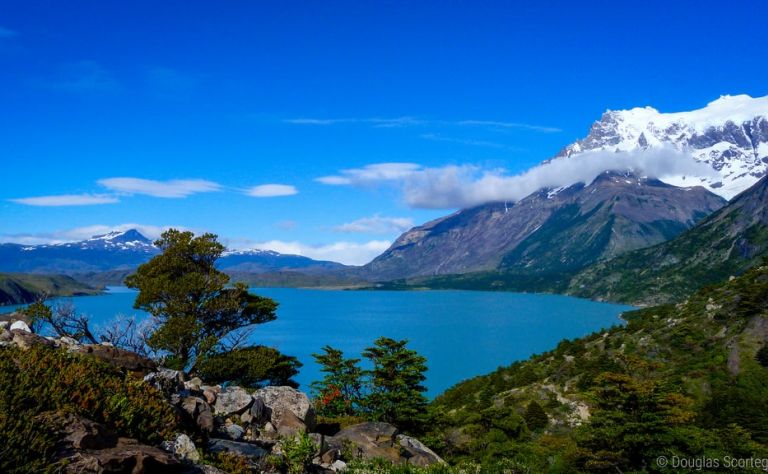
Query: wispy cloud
{"x": 7, "y": 33}
{"x": 451, "y": 187}
{"x": 67, "y": 200}
{"x": 498, "y": 124}
{"x": 376, "y": 225}
{"x": 408, "y": 121}
{"x": 83, "y": 233}
{"x": 373, "y": 174}
{"x": 83, "y": 76}
{"x": 465, "y": 141}
{"x": 272, "y": 190}
{"x": 349, "y": 253}
{"x": 175, "y": 188}
{"x": 373, "y": 121}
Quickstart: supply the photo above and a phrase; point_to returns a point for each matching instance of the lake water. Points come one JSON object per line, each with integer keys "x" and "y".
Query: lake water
{"x": 461, "y": 333}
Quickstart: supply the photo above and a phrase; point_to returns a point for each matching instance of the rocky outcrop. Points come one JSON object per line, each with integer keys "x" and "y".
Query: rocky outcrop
{"x": 251, "y": 424}
{"x": 379, "y": 441}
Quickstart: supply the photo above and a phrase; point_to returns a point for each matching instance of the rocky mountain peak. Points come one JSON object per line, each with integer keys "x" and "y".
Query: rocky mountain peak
{"x": 730, "y": 134}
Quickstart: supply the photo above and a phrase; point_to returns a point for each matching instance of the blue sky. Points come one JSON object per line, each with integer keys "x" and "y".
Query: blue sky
{"x": 292, "y": 124}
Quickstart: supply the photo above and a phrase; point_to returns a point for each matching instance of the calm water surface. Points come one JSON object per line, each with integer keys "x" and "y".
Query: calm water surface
{"x": 461, "y": 333}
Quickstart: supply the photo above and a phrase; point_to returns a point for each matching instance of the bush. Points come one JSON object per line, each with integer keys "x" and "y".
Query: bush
{"x": 43, "y": 379}
{"x": 298, "y": 452}
{"x": 252, "y": 367}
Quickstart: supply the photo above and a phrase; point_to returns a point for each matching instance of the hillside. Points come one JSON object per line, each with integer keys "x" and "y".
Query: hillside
{"x": 17, "y": 288}
{"x": 675, "y": 380}
{"x": 724, "y": 244}
{"x": 549, "y": 231}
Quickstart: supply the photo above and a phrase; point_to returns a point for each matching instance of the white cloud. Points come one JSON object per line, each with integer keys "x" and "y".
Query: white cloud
{"x": 453, "y": 187}
{"x": 499, "y": 124}
{"x": 175, "y": 188}
{"x": 349, "y": 253}
{"x": 417, "y": 122}
{"x": 67, "y": 200}
{"x": 376, "y": 225}
{"x": 373, "y": 174}
{"x": 272, "y": 190}
{"x": 85, "y": 232}
{"x": 464, "y": 141}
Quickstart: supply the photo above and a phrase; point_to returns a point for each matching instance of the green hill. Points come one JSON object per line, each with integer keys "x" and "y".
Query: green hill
{"x": 686, "y": 380}
{"x": 19, "y": 288}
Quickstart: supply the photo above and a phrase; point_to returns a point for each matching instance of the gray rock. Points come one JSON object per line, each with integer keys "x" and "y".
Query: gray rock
{"x": 339, "y": 465}
{"x": 289, "y": 410}
{"x": 232, "y": 401}
{"x": 199, "y": 412}
{"x": 5, "y": 325}
{"x": 20, "y": 325}
{"x": 243, "y": 449}
{"x": 382, "y": 440}
{"x": 233, "y": 431}
{"x": 185, "y": 449}
{"x": 418, "y": 453}
{"x": 168, "y": 381}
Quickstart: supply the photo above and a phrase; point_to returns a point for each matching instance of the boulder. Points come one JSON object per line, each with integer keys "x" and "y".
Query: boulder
{"x": 382, "y": 440}
{"x": 247, "y": 450}
{"x": 232, "y": 401}
{"x": 120, "y": 358}
{"x": 20, "y": 325}
{"x": 288, "y": 409}
{"x": 416, "y": 452}
{"x": 233, "y": 431}
{"x": 167, "y": 381}
{"x": 127, "y": 456}
{"x": 25, "y": 339}
{"x": 185, "y": 449}
{"x": 199, "y": 412}
{"x": 77, "y": 432}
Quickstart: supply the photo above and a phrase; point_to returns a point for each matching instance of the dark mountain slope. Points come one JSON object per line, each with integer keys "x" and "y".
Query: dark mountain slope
{"x": 548, "y": 231}
{"x": 726, "y": 243}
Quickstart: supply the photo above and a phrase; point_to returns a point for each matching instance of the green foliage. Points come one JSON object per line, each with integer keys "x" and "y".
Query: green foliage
{"x": 535, "y": 417}
{"x": 191, "y": 298}
{"x": 252, "y": 367}
{"x": 37, "y": 313}
{"x": 396, "y": 391}
{"x": 339, "y": 394}
{"x": 42, "y": 379}
{"x": 298, "y": 452}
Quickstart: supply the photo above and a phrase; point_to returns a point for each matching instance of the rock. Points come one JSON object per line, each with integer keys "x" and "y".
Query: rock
{"x": 246, "y": 417}
{"x": 127, "y": 456}
{"x": 243, "y": 449}
{"x": 193, "y": 384}
{"x": 5, "y": 325}
{"x": 20, "y": 325}
{"x": 233, "y": 431}
{"x": 417, "y": 453}
{"x": 68, "y": 341}
{"x": 167, "y": 381}
{"x": 25, "y": 339}
{"x": 258, "y": 411}
{"x": 210, "y": 396}
{"x": 289, "y": 410}
{"x": 382, "y": 440}
{"x": 199, "y": 412}
{"x": 339, "y": 465}
{"x": 5, "y": 335}
{"x": 185, "y": 449}
{"x": 77, "y": 432}
{"x": 120, "y": 358}
{"x": 232, "y": 401}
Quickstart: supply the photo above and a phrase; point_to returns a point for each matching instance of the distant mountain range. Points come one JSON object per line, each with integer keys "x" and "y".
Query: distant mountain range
{"x": 572, "y": 239}
{"x": 121, "y": 252}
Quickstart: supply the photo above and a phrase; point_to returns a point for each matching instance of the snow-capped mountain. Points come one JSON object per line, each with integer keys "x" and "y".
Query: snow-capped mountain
{"x": 128, "y": 249}
{"x": 730, "y": 134}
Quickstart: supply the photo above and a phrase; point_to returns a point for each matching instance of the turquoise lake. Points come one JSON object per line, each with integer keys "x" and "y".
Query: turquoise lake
{"x": 461, "y": 333}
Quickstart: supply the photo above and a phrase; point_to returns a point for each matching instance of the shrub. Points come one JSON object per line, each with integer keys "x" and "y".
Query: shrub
{"x": 43, "y": 379}
{"x": 253, "y": 367}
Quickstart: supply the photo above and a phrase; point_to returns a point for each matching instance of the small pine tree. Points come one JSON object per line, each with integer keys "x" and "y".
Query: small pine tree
{"x": 340, "y": 391}
{"x": 535, "y": 417}
{"x": 397, "y": 393}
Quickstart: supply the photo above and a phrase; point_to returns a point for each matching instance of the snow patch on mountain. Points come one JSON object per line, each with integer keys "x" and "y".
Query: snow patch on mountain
{"x": 730, "y": 135}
